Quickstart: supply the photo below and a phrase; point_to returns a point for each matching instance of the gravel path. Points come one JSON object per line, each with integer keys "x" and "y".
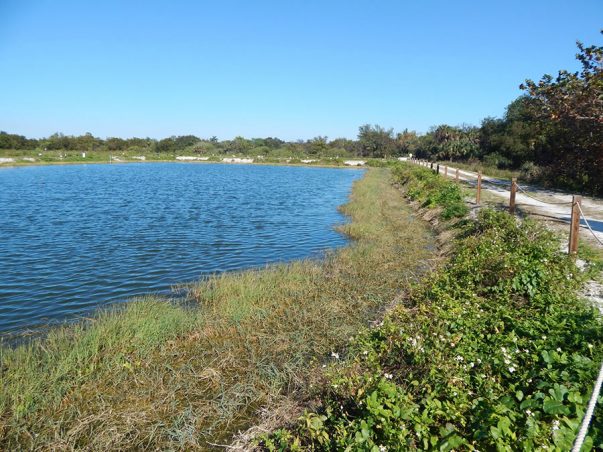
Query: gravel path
{"x": 549, "y": 203}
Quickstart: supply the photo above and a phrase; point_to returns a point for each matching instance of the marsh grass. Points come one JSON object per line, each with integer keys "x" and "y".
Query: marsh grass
{"x": 157, "y": 375}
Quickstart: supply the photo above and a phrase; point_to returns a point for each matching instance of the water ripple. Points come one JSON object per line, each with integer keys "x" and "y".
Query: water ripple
{"x": 76, "y": 237}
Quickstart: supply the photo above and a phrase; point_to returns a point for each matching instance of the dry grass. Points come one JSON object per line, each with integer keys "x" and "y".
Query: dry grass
{"x": 156, "y": 375}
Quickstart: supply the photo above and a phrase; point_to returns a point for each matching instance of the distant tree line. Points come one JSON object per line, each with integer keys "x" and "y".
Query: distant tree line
{"x": 372, "y": 142}
{"x": 553, "y": 133}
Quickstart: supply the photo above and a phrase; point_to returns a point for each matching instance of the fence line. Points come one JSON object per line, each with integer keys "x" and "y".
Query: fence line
{"x": 540, "y": 200}
{"x": 574, "y": 230}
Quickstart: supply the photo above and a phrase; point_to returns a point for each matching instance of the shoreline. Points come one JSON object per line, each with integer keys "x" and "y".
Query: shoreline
{"x": 294, "y": 165}
{"x": 288, "y": 317}
{"x": 13, "y": 338}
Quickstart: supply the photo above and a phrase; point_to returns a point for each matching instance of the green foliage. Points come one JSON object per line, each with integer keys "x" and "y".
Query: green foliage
{"x": 375, "y": 141}
{"x": 493, "y": 352}
{"x": 431, "y": 190}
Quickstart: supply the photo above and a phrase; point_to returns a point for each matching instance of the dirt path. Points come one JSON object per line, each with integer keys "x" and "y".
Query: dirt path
{"x": 552, "y": 204}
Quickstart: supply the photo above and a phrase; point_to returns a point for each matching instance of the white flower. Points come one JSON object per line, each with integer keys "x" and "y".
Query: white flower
{"x": 559, "y": 349}
{"x": 382, "y": 449}
{"x": 590, "y": 346}
{"x": 507, "y": 361}
{"x": 365, "y": 352}
{"x": 335, "y": 355}
{"x": 511, "y": 369}
{"x": 472, "y": 364}
{"x": 555, "y": 425}
{"x": 388, "y": 376}
{"x": 529, "y": 412}
{"x": 459, "y": 358}
{"x": 324, "y": 365}
{"x": 544, "y": 338}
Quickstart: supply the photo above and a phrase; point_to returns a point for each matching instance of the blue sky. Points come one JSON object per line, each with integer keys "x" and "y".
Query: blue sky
{"x": 292, "y": 69}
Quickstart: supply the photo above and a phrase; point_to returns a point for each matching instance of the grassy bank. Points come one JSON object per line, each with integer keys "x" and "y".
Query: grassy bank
{"x": 156, "y": 375}
{"x": 493, "y": 351}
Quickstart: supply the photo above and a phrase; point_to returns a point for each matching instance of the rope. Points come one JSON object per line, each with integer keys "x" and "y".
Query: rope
{"x": 500, "y": 184}
{"x": 595, "y": 395}
{"x": 588, "y": 225}
{"x": 540, "y": 200}
{"x": 589, "y": 413}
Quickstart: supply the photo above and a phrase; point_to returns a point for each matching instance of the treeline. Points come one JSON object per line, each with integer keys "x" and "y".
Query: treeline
{"x": 372, "y": 142}
{"x": 553, "y": 133}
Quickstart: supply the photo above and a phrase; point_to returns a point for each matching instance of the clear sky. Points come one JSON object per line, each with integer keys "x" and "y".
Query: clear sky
{"x": 292, "y": 69}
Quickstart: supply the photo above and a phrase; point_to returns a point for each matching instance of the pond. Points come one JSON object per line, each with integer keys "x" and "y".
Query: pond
{"x": 77, "y": 237}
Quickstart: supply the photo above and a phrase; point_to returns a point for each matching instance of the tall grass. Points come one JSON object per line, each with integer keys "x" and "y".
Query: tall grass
{"x": 156, "y": 375}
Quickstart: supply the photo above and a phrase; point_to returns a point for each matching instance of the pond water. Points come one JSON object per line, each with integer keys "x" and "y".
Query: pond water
{"x": 73, "y": 238}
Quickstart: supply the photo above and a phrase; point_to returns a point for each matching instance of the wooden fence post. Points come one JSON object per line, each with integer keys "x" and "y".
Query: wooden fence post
{"x": 446, "y": 171}
{"x": 574, "y": 226}
{"x": 478, "y": 194}
{"x": 438, "y": 168}
{"x": 431, "y": 165}
{"x": 512, "y": 198}
{"x": 456, "y": 176}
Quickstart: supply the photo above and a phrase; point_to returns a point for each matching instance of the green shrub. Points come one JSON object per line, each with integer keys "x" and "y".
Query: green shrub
{"x": 494, "y": 352}
{"x": 431, "y": 190}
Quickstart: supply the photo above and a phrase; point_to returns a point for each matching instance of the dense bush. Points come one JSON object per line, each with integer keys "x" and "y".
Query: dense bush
{"x": 431, "y": 190}
{"x": 493, "y": 351}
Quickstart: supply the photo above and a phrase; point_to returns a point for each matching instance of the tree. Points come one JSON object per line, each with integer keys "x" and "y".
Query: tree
{"x": 446, "y": 142}
{"x": 317, "y": 145}
{"x": 13, "y": 141}
{"x": 516, "y": 138}
{"x": 239, "y": 145}
{"x": 407, "y": 142}
{"x": 375, "y": 141}
{"x": 571, "y": 107}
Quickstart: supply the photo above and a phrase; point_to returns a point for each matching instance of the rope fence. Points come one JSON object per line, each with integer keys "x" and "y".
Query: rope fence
{"x": 540, "y": 200}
